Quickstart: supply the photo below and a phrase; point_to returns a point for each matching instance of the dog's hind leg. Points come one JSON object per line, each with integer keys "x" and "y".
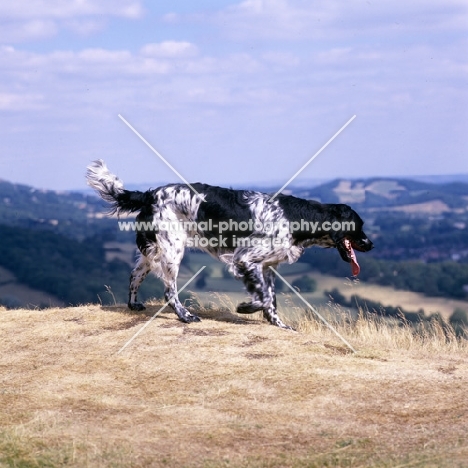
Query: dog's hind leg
{"x": 252, "y": 276}
{"x": 137, "y": 276}
{"x": 251, "y": 266}
{"x": 247, "y": 265}
{"x": 270, "y": 312}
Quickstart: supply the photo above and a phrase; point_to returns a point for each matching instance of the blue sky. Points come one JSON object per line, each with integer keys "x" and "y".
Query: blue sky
{"x": 232, "y": 92}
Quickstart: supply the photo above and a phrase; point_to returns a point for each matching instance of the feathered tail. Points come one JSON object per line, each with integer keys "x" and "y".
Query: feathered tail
{"x": 110, "y": 188}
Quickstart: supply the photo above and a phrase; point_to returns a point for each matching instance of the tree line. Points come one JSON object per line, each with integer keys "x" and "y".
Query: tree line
{"x": 444, "y": 279}
{"x": 73, "y": 271}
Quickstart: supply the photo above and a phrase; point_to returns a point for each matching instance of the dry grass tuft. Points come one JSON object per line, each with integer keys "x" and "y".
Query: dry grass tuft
{"x": 433, "y": 336}
{"x": 229, "y": 391}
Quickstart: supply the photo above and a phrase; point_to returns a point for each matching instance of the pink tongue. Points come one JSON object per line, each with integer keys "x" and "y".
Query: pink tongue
{"x": 355, "y": 268}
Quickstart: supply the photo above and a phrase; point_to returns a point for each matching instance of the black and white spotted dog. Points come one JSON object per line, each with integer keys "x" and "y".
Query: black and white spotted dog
{"x": 244, "y": 229}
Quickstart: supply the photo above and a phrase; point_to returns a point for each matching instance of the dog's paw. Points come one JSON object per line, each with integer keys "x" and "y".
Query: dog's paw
{"x": 280, "y": 324}
{"x": 190, "y": 318}
{"x": 249, "y": 307}
{"x": 136, "y": 306}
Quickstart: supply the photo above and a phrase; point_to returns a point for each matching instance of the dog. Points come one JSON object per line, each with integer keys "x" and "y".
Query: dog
{"x": 249, "y": 231}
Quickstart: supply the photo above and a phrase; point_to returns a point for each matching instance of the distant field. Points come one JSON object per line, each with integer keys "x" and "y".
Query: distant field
{"x": 386, "y": 295}
{"x": 14, "y": 293}
{"x": 219, "y": 283}
{"x": 392, "y": 297}
{"x": 225, "y": 392}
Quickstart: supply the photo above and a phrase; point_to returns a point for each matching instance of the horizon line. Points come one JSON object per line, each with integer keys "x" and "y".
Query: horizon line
{"x": 298, "y": 183}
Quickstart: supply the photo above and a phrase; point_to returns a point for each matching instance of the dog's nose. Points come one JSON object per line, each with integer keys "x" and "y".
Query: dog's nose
{"x": 369, "y": 244}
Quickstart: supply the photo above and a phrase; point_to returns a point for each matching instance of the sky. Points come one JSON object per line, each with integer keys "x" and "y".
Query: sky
{"x": 232, "y": 93}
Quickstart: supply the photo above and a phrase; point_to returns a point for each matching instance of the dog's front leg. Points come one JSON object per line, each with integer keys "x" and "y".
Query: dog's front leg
{"x": 270, "y": 312}
{"x": 171, "y": 296}
{"x": 172, "y": 246}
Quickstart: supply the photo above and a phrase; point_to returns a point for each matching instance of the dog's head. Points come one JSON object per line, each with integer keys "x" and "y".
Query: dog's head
{"x": 350, "y": 236}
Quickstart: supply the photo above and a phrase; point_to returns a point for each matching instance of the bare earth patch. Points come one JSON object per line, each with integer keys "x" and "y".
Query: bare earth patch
{"x": 227, "y": 391}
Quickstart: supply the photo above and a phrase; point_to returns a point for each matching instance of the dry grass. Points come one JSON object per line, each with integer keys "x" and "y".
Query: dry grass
{"x": 228, "y": 391}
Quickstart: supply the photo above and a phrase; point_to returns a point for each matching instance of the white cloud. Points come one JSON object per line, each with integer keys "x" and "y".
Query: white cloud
{"x": 14, "y": 9}
{"x": 281, "y": 59}
{"x": 85, "y": 27}
{"x": 103, "y": 57}
{"x": 20, "y": 102}
{"x": 169, "y": 49}
{"x": 304, "y": 19}
{"x": 44, "y": 18}
{"x": 178, "y": 73}
{"x": 277, "y": 19}
{"x": 17, "y": 31}
{"x": 171, "y": 18}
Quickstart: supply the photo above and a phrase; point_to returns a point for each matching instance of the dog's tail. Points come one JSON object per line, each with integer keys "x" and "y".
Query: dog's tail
{"x": 111, "y": 189}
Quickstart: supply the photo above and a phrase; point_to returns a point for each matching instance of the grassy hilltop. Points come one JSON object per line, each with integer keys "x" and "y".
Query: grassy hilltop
{"x": 226, "y": 392}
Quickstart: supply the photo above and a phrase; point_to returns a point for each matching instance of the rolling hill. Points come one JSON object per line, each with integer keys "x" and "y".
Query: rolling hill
{"x": 63, "y": 246}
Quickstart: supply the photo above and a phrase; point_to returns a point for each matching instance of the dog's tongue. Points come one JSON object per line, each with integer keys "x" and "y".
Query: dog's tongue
{"x": 355, "y": 268}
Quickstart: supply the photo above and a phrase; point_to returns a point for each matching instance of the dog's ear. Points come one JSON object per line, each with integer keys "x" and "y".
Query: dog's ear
{"x": 351, "y": 223}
